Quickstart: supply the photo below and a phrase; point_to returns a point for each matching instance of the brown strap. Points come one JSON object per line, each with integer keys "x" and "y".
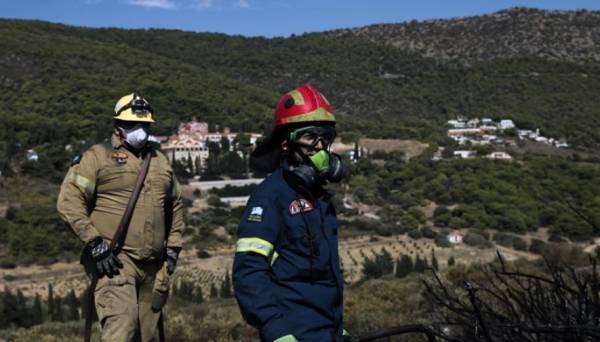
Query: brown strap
{"x": 119, "y": 237}
{"x": 117, "y": 242}
{"x": 161, "y": 327}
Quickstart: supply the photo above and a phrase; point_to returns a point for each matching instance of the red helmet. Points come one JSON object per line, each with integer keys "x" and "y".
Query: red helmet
{"x": 303, "y": 104}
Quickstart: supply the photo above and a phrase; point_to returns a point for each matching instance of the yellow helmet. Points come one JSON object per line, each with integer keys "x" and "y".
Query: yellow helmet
{"x": 133, "y": 107}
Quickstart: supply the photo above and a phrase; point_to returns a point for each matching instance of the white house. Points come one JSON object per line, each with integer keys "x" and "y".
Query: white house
{"x": 456, "y": 124}
{"x": 507, "y": 124}
{"x": 473, "y": 123}
{"x": 499, "y": 155}
{"x": 464, "y": 154}
{"x": 31, "y": 155}
{"x": 561, "y": 144}
{"x": 455, "y": 236}
{"x": 464, "y": 131}
{"x": 488, "y": 128}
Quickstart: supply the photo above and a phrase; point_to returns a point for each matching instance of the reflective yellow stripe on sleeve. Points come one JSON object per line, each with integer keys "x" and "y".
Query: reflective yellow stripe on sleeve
{"x": 83, "y": 182}
{"x": 256, "y": 245}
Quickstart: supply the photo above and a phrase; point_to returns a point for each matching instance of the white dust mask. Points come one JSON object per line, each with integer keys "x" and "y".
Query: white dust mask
{"x": 136, "y": 136}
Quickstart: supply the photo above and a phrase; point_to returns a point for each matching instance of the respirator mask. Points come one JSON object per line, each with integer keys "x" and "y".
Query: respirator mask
{"x": 137, "y": 133}
{"x": 322, "y": 166}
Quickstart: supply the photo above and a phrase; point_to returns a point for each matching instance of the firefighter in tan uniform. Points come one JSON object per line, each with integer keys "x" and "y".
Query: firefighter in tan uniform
{"x": 92, "y": 200}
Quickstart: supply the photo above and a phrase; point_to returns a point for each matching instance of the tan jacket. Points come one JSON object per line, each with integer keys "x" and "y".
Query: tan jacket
{"x": 95, "y": 192}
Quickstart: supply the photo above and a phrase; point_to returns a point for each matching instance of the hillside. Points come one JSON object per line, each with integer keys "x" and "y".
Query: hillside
{"x": 369, "y": 74}
{"x": 570, "y": 36}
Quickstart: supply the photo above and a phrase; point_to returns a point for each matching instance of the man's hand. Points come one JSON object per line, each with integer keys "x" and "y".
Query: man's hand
{"x": 106, "y": 262}
{"x": 172, "y": 255}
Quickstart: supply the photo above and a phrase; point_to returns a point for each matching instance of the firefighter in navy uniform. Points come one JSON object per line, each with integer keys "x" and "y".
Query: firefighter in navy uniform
{"x": 286, "y": 271}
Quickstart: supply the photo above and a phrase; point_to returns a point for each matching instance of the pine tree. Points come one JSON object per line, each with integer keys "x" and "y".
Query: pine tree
{"x": 73, "y": 305}
{"x": 404, "y": 267}
{"x": 37, "y": 316}
{"x": 51, "y": 303}
{"x": 226, "y": 286}
{"x": 434, "y": 261}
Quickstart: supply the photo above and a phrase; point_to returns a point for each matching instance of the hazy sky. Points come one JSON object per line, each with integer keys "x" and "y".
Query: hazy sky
{"x": 259, "y": 17}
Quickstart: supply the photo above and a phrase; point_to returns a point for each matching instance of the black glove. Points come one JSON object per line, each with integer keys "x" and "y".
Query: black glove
{"x": 172, "y": 255}
{"x": 106, "y": 262}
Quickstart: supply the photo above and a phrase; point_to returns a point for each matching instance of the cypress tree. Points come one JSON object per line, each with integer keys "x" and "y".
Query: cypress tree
{"x": 404, "y": 267}
{"x": 51, "y": 303}
{"x": 434, "y": 261}
{"x": 59, "y": 314}
{"x": 198, "y": 298}
{"x": 8, "y": 313}
{"x": 226, "y": 286}
{"x": 22, "y": 314}
{"x": 451, "y": 261}
{"x": 420, "y": 264}
{"x": 190, "y": 164}
{"x": 37, "y": 316}
{"x": 73, "y": 305}
{"x": 214, "y": 293}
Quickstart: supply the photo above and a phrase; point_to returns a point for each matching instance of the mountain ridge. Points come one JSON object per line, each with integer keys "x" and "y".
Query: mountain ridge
{"x": 561, "y": 35}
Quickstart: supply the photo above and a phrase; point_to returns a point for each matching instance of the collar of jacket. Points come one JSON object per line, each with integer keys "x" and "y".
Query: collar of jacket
{"x": 115, "y": 141}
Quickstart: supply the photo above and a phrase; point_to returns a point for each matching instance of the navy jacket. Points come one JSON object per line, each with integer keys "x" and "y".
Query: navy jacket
{"x": 286, "y": 272}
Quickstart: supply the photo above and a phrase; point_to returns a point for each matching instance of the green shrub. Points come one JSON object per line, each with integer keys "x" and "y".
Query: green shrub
{"x": 442, "y": 241}
{"x": 429, "y": 233}
{"x": 476, "y": 240}
{"x": 537, "y": 246}
{"x": 415, "y": 234}
{"x": 519, "y": 243}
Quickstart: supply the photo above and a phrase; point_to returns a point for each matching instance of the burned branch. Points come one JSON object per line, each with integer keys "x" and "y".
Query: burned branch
{"x": 560, "y": 304}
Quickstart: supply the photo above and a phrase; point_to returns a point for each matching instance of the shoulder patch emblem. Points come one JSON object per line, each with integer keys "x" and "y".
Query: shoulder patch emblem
{"x": 76, "y": 160}
{"x": 119, "y": 157}
{"x": 294, "y": 207}
{"x": 256, "y": 214}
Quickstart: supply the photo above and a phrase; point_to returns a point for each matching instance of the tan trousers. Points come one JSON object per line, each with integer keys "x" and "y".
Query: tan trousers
{"x": 124, "y": 302}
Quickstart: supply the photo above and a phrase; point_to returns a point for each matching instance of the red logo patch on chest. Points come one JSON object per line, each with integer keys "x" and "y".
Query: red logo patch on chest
{"x": 295, "y": 208}
{"x": 119, "y": 157}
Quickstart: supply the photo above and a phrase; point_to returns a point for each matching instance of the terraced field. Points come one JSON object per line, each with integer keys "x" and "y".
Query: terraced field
{"x": 207, "y": 271}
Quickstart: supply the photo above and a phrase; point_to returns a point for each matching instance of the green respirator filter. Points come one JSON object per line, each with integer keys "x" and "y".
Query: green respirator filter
{"x": 320, "y": 160}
